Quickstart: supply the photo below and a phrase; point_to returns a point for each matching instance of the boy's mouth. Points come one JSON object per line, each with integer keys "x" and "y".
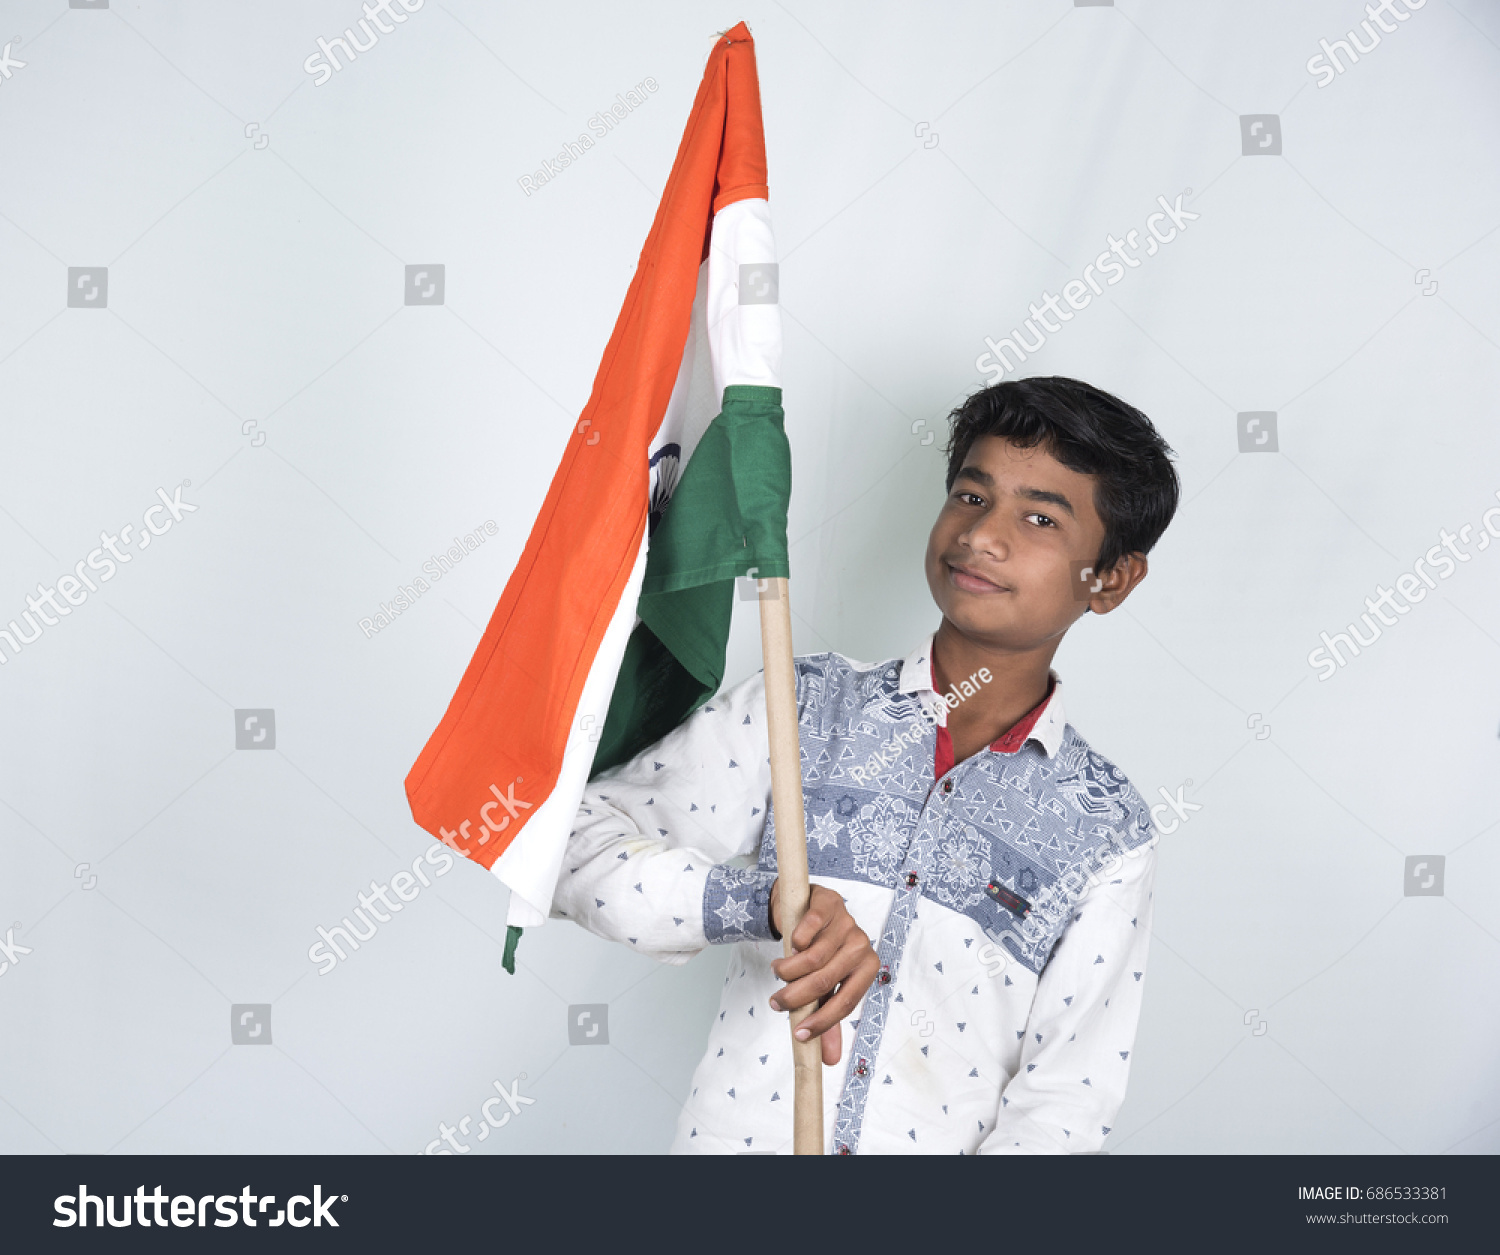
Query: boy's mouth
{"x": 972, "y": 582}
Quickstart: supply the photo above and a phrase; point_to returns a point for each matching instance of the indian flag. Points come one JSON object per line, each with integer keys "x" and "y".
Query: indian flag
{"x": 675, "y": 481}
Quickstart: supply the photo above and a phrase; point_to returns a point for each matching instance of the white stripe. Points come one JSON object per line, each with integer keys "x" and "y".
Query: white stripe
{"x": 746, "y": 338}
{"x": 727, "y": 343}
{"x": 531, "y": 863}
{"x": 694, "y": 402}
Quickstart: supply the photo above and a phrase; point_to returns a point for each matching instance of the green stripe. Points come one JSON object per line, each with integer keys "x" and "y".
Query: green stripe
{"x": 727, "y": 517}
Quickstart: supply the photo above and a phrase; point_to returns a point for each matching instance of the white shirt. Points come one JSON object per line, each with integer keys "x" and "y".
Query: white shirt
{"x": 1009, "y": 903}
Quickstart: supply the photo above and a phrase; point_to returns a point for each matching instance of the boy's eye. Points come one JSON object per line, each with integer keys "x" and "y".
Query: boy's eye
{"x": 1045, "y": 519}
{"x": 974, "y": 497}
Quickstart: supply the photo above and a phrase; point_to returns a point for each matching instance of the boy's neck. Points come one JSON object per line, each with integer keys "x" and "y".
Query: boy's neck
{"x": 1019, "y": 682}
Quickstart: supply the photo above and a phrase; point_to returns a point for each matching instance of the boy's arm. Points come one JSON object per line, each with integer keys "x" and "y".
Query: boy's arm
{"x": 1076, "y": 1056}
{"x": 647, "y": 863}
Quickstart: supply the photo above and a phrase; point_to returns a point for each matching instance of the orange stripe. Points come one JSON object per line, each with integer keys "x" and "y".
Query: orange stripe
{"x": 508, "y": 722}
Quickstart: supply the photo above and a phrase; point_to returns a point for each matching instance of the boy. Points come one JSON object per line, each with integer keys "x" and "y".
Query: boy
{"x": 1002, "y": 867}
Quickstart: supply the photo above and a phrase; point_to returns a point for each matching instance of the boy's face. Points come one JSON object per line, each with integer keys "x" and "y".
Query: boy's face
{"x": 1005, "y": 550}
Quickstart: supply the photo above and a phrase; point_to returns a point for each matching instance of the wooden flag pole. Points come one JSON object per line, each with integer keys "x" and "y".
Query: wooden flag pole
{"x": 791, "y": 845}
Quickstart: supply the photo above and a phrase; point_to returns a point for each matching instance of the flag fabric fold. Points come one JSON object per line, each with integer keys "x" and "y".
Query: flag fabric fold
{"x": 612, "y": 628}
{"x": 728, "y": 518}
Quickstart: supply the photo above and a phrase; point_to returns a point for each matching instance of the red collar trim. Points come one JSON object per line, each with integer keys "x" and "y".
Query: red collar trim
{"x": 1007, "y": 744}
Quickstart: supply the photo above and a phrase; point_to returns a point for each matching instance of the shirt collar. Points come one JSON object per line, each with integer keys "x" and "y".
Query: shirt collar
{"x": 916, "y": 678}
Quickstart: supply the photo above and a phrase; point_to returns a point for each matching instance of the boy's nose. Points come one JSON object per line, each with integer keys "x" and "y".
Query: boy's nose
{"x": 989, "y": 535}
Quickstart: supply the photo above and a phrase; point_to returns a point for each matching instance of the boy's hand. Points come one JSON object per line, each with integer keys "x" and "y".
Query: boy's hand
{"x": 833, "y": 966}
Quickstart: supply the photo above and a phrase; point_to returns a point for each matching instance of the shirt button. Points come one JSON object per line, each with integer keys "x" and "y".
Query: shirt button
{"x": 862, "y": 1069}
{"x": 911, "y": 880}
{"x": 885, "y": 976}
{"x": 947, "y": 786}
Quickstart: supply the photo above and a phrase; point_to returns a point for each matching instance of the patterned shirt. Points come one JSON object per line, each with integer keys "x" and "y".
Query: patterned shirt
{"x": 1008, "y": 898}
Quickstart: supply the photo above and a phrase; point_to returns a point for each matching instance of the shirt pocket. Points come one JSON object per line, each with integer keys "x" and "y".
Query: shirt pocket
{"x": 1023, "y": 907}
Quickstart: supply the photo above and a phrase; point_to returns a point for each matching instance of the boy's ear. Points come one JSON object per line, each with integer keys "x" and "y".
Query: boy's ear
{"x": 1118, "y": 582}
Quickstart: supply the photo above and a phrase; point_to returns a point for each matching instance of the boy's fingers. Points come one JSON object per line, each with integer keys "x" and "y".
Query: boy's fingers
{"x": 861, "y": 970}
{"x": 833, "y": 966}
{"x": 849, "y": 971}
{"x": 822, "y": 918}
{"x": 819, "y": 949}
{"x": 820, "y": 954}
{"x": 824, "y": 909}
{"x": 801, "y": 993}
{"x": 808, "y": 927}
{"x": 832, "y": 1044}
{"x": 836, "y": 1008}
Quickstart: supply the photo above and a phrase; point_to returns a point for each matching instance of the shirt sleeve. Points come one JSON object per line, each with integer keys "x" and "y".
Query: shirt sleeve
{"x": 657, "y": 857}
{"x": 1076, "y": 1057}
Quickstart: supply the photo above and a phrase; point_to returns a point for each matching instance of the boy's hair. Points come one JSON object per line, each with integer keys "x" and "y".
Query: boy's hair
{"x": 1090, "y": 432}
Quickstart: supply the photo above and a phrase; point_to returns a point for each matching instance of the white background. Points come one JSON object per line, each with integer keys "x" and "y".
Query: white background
{"x": 259, "y": 291}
